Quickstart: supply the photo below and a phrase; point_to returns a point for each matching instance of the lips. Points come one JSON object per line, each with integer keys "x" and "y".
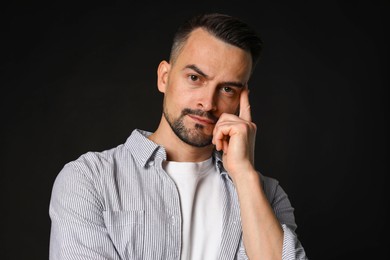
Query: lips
{"x": 202, "y": 120}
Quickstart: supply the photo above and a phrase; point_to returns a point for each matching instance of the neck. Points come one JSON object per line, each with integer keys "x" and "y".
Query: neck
{"x": 176, "y": 149}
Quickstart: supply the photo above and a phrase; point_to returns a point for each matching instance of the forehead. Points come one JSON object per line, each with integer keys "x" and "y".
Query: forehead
{"x": 214, "y": 55}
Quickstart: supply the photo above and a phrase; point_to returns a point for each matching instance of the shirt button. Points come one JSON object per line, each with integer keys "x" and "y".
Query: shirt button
{"x": 150, "y": 163}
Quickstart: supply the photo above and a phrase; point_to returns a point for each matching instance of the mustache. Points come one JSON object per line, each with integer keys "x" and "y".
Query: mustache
{"x": 201, "y": 113}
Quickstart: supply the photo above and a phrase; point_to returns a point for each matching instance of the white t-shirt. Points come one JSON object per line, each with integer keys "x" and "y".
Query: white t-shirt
{"x": 199, "y": 186}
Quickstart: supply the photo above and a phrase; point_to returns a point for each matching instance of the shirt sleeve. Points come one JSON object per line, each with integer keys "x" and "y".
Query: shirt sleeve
{"x": 77, "y": 224}
{"x": 292, "y": 247}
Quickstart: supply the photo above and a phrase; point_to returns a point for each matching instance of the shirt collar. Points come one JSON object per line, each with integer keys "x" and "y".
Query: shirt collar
{"x": 143, "y": 149}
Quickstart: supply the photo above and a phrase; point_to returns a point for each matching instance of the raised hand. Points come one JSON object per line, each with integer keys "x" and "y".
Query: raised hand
{"x": 235, "y": 136}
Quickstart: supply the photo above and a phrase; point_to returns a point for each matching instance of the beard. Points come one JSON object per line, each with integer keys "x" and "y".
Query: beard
{"x": 192, "y": 136}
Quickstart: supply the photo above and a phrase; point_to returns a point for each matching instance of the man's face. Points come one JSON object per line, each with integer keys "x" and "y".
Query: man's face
{"x": 205, "y": 80}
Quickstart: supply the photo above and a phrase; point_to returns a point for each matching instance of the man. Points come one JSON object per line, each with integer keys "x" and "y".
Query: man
{"x": 189, "y": 190}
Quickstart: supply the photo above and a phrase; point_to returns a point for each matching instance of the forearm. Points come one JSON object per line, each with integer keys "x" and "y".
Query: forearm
{"x": 262, "y": 232}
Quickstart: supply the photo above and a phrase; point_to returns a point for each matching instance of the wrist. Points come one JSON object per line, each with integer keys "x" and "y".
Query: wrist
{"x": 246, "y": 176}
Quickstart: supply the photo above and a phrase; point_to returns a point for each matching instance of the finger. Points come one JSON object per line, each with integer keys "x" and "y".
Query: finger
{"x": 217, "y": 140}
{"x": 225, "y": 145}
{"x": 221, "y": 135}
{"x": 226, "y": 117}
{"x": 245, "y": 108}
{"x": 219, "y": 145}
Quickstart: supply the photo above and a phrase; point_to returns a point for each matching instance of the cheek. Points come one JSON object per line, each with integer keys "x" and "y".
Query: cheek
{"x": 183, "y": 98}
{"x": 229, "y": 106}
{"x": 177, "y": 90}
{"x": 176, "y": 100}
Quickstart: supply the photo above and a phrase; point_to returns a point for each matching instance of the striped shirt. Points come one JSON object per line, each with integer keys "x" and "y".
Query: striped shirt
{"x": 121, "y": 204}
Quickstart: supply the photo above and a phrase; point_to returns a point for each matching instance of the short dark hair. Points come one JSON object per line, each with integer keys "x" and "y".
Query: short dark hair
{"x": 226, "y": 28}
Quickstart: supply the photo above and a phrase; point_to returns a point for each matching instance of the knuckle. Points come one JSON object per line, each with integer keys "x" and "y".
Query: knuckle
{"x": 254, "y": 126}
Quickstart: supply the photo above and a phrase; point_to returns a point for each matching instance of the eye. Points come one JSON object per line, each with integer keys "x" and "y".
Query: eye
{"x": 194, "y": 78}
{"x": 227, "y": 89}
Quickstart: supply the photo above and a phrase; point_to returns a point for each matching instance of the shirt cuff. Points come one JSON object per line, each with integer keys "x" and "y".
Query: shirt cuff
{"x": 292, "y": 248}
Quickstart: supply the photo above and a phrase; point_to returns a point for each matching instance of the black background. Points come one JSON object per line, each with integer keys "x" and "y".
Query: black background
{"x": 80, "y": 77}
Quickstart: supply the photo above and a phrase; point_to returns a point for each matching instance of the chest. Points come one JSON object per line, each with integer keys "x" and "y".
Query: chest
{"x": 144, "y": 215}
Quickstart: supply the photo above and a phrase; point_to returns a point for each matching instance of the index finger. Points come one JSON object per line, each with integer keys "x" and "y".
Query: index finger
{"x": 245, "y": 108}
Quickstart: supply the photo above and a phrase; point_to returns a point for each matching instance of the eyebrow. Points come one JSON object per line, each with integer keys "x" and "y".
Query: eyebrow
{"x": 222, "y": 84}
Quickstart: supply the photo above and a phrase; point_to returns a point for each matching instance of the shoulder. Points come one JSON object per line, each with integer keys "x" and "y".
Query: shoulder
{"x": 98, "y": 166}
{"x": 89, "y": 168}
{"x": 96, "y": 162}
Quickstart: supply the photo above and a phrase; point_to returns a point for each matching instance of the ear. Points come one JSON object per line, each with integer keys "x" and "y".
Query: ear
{"x": 162, "y": 75}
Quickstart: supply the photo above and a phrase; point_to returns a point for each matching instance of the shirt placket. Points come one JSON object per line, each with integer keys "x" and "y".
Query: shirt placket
{"x": 232, "y": 230}
{"x": 173, "y": 216}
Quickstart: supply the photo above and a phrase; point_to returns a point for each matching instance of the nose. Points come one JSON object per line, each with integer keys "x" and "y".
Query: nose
{"x": 207, "y": 99}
